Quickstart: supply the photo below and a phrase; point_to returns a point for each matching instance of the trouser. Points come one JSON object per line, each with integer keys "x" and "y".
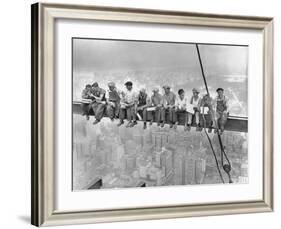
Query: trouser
{"x": 158, "y": 114}
{"x": 98, "y": 109}
{"x": 178, "y": 113}
{"x": 189, "y": 115}
{"x": 212, "y": 117}
{"x": 86, "y": 108}
{"x": 221, "y": 119}
{"x": 112, "y": 111}
{"x": 129, "y": 112}
{"x": 172, "y": 115}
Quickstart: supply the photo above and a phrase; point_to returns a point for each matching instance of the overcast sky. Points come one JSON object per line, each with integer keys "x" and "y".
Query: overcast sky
{"x": 153, "y": 64}
{"x": 102, "y": 55}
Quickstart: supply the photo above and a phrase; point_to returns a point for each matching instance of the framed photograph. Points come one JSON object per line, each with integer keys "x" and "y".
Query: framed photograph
{"x": 145, "y": 114}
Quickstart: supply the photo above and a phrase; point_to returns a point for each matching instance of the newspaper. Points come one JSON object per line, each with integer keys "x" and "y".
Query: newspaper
{"x": 205, "y": 109}
{"x": 189, "y": 108}
{"x": 151, "y": 109}
{"x": 86, "y": 100}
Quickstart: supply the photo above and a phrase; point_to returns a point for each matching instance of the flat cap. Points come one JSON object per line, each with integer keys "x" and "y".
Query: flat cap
{"x": 155, "y": 89}
{"x": 166, "y": 87}
{"x": 219, "y": 89}
{"x": 95, "y": 84}
{"x": 111, "y": 84}
{"x": 196, "y": 90}
{"x": 128, "y": 83}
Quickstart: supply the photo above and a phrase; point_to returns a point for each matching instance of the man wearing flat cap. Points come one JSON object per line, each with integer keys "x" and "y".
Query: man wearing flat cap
{"x": 143, "y": 103}
{"x": 87, "y": 99}
{"x": 112, "y": 100}
{"x": 99, "y": 102}
{"x": 158, "y": 111}
{"x": 169, "y": 100}
{"x": 221, "y": 108}
{"x": 195, "y": 101}
{"x": 128, "y": 105}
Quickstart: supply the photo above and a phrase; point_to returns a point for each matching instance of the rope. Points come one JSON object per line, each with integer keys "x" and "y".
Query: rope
{"x": 211, "y": 145}
{"x": 226, "y": 167}
{"x": 202, "y": 71}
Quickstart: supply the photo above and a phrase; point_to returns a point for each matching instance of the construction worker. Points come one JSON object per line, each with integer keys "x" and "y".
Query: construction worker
{"x": 128, "y": 105}
{"x": 195, "y": 101}
{"x": 112, "y": 101}
{"x": 169, "y": 99}
{"x": 142, "y": 104}
{"x": 156, "y": 107}
{"x": 87, "y": 103}
{"x": 208, "y": 102}
{"x": 181, "y": 102}
{"x": 99, "y": 102}
{"x": 222, "y": 109}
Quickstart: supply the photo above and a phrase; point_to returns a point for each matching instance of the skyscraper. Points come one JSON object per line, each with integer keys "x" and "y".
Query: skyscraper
{"x": 200, "y": 169}
{"x": 189, "y": 170}
{"x": 179, "y": 169}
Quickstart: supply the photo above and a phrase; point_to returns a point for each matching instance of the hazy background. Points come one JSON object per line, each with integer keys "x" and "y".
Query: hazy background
{"x": 150, "y": 64}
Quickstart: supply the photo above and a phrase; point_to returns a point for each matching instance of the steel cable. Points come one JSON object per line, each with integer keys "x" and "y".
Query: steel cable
{"x": 226, "y": 167}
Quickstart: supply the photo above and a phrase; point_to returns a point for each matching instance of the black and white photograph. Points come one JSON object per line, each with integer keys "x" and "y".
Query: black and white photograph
{"x": 154, "y": 113}
{"x": 147, "y": 114}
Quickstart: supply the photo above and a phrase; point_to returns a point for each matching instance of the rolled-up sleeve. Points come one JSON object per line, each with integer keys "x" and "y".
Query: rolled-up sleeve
{"x": 227, "y": 104}
{"x": 84, "y": 94}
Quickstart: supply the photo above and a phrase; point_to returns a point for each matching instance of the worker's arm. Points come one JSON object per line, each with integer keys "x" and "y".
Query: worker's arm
{"x": 227, "y": 105}
{"x": 85, "y": 94}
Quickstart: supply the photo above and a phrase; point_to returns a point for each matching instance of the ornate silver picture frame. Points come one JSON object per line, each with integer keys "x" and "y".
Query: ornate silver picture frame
{"x": 44, "y": 123}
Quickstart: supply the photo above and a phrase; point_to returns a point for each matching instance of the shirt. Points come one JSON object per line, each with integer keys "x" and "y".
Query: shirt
{"x": 156, "y": 99}
{"x": 130, "y": 96}
{"x": 98, "y": 92}
{"x": 86, "y": 94}
{"x": 181, "y": 103}
{"x": 142, "y": 99}
{"x": 169, "y": 99}
{"x": 195, "y": 102}
{"x": 221, "y": 104}
{"x": 113, "y": 96}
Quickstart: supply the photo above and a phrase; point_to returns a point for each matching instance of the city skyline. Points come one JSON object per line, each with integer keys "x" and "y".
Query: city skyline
{"x": 123, "y": 157}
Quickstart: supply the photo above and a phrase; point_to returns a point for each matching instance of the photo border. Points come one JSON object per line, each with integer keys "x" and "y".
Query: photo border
{"x": 43, "y": 122}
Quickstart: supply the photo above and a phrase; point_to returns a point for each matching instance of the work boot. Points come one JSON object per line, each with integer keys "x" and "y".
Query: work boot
{"x": 171, "y": 125}
{"x": 185, "y": 127}
{"x": 133, "y": 123}
{"x": 162, "y": 124}
{"x": 188, "y": 127}
{"x": 87, "y": 117}
{"x": 144, "y": 125}
{"x": 120, "y": 123}
{"x": 151, "y": 122}
{"x": 96, "y": 122}
{"x": 222, "y": 129}
{"x": 210, "y": 130}
{"x": 176, "y": 125}
{"x": 158, "y": 123}
{"x": 128, "y": 124}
